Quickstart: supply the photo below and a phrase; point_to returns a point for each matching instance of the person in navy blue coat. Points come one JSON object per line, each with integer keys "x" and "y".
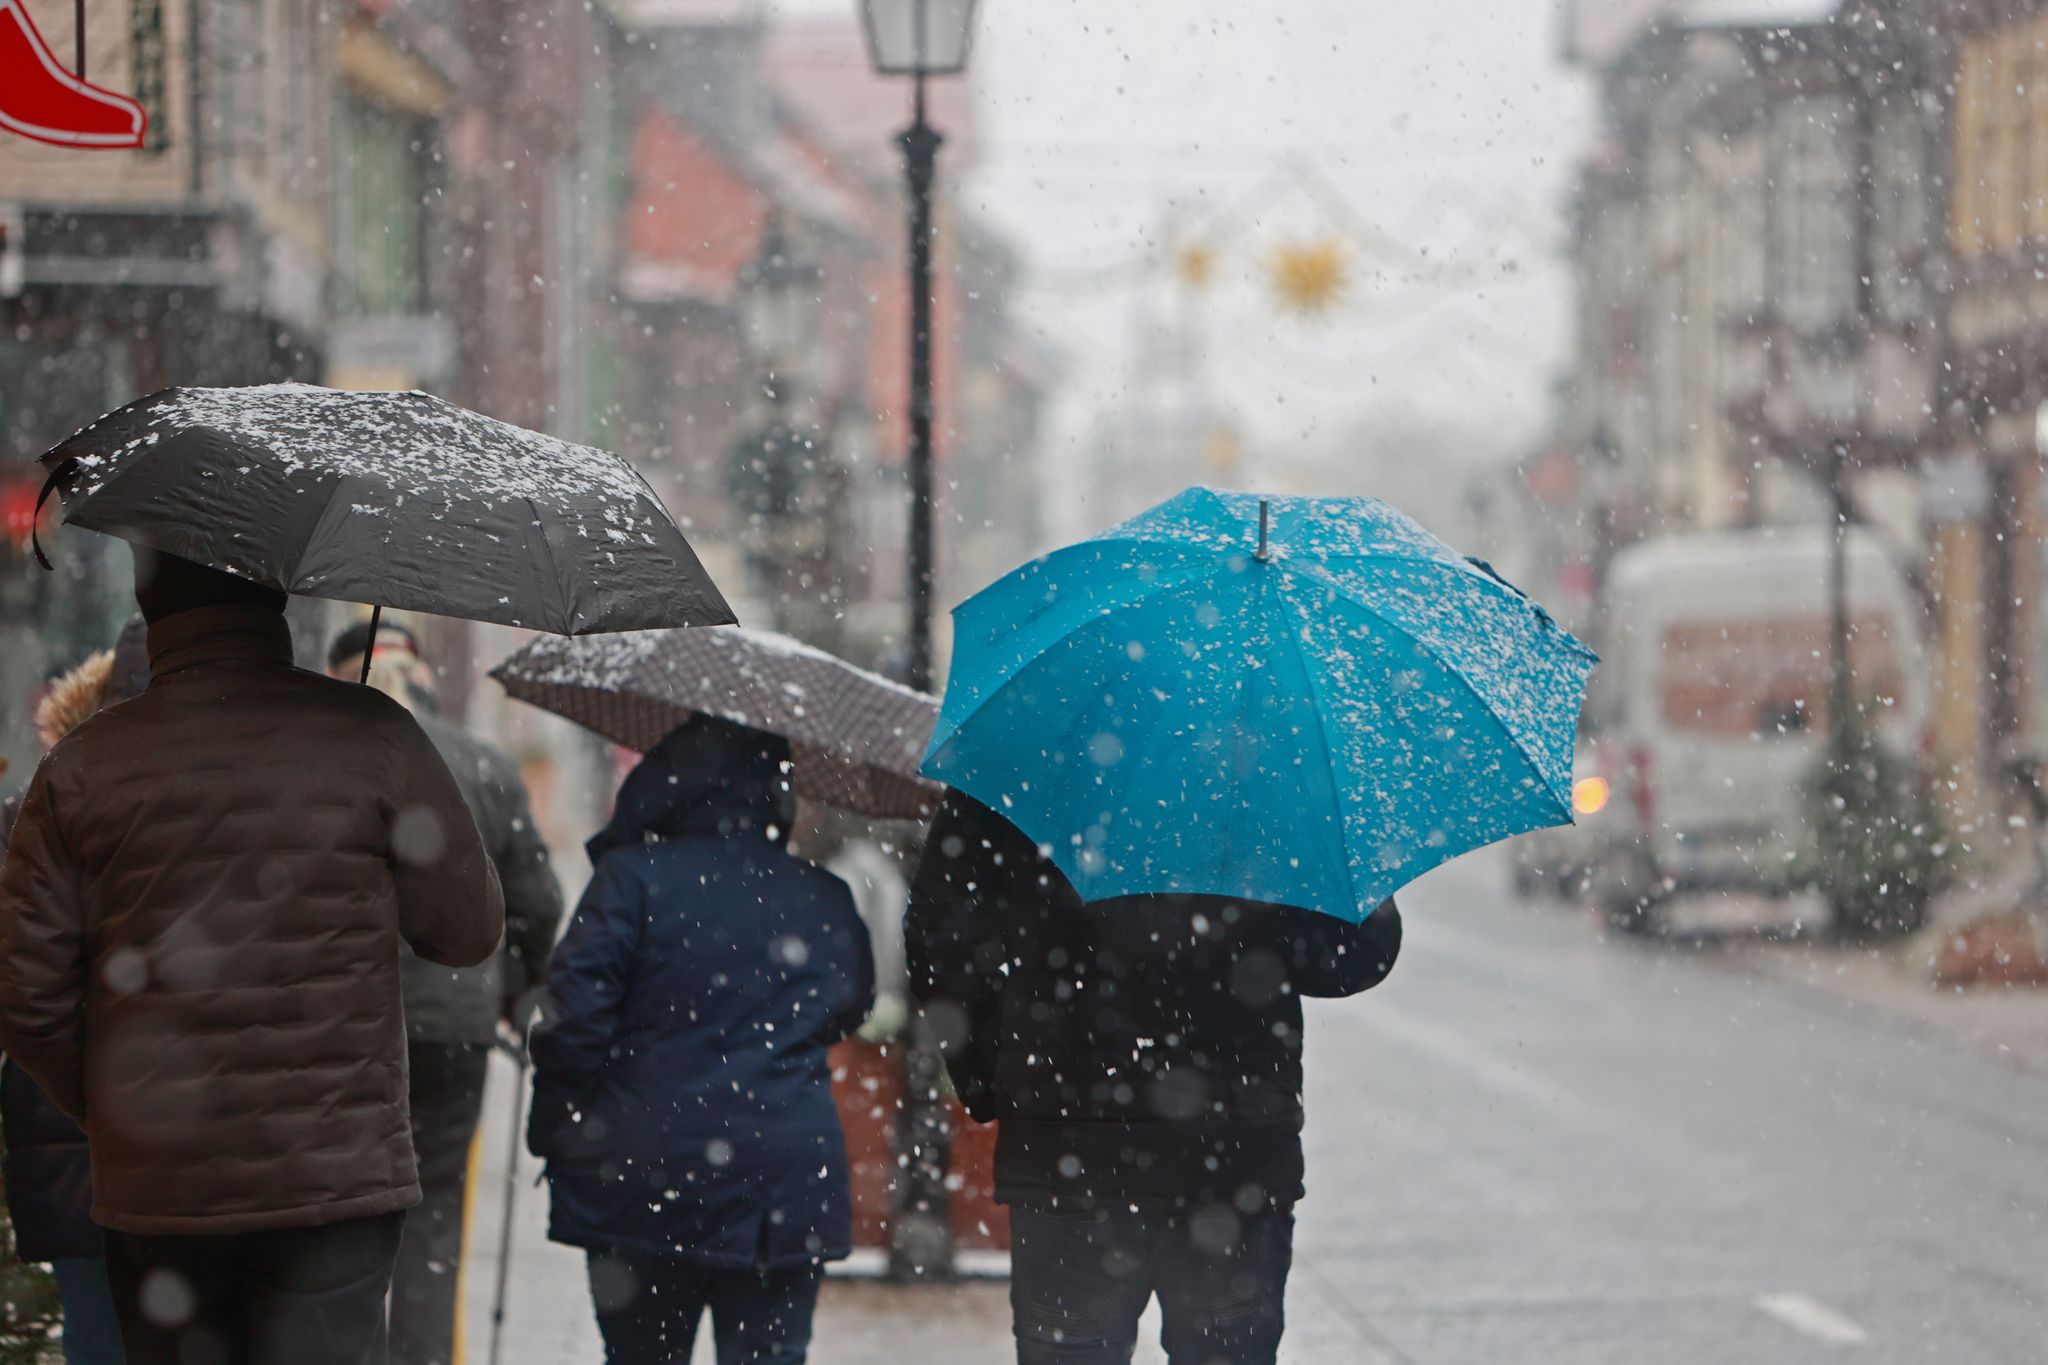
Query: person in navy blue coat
{"x": 682, "y": 1098}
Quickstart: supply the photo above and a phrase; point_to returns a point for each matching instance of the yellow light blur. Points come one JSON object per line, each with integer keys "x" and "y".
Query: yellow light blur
{"x": 1589, "y": 795}
{"x": 1195, "y": 263}
{"x": 1311, "y": 277}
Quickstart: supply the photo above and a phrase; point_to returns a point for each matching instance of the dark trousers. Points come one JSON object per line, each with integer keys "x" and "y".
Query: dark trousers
{"x": 648, "y": 1308}
{"x": 92, "y": 1330}
{"x": 294, "y": 1296}
{"x": 1080, "y": 1276}
{"x": 447, "y": 1093}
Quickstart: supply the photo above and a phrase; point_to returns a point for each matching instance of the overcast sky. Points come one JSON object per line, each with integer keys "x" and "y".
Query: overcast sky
{"x": 1451, "y": 129}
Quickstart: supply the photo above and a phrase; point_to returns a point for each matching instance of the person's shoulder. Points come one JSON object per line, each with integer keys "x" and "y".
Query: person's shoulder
{"x": 965, "y": 827}
{"x": 351, "y": 703}
{"x": 81, "y": 748}
{"x": 631, "y": 862}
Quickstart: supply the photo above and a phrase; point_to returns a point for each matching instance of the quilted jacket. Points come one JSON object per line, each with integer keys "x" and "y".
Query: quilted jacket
{"x": 200, "y": 916}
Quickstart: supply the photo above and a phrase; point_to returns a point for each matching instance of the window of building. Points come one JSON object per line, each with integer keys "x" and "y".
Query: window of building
{"x": 1739, "y": 206}
{"x": 1813, "y": 211}
{"x": 381, "y": 204}
{"x": 2031, "y": 119}
{"x": 1898, "y": 215}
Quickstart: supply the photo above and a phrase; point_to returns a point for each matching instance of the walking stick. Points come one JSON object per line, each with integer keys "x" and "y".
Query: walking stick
{"x": 518, "y": 1054}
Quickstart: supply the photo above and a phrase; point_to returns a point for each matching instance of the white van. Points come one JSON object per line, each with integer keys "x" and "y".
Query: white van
{"x": 1709, "y": 706}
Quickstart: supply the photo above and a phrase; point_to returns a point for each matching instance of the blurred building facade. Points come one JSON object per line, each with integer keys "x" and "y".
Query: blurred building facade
{"x": 547, "y": 212}
{"x": 1810, "y": 231}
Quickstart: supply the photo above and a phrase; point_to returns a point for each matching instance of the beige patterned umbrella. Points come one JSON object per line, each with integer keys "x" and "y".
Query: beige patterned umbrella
{"x": 855, "y": 737}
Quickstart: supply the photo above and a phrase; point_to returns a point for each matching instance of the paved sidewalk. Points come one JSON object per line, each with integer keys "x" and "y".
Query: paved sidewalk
{"x": 1892, "y": 986}
{"x": 548, "y": 1319}
{"x": 1890, "y": 983}
{"x": 860, "y": 1321}
{"x": 1540, "y": 1142}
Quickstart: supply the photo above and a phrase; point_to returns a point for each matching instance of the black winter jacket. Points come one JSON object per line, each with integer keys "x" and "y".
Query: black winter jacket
{"x": 1145, "y": 1049}
{"x": 463, "y": 1004}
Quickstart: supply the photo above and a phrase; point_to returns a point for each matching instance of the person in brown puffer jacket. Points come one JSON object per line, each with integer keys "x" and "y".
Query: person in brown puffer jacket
{"x": 200, "y": 916}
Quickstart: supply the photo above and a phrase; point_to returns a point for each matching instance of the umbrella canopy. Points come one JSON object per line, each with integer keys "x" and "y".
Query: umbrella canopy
{"x": 1310, "y": 715}
{"x": 395, "y": 499}
{"x": 854, "y": 737}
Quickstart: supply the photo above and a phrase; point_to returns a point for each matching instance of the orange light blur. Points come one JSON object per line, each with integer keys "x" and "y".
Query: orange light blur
{"x": 1589, "y": 795}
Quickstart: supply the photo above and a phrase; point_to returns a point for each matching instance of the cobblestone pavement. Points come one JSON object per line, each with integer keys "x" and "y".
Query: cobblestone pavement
{"x": 1538, "y": 1144}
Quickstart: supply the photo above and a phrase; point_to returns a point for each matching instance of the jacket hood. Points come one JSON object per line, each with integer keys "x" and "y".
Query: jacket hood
{"x": 708, "y": 777}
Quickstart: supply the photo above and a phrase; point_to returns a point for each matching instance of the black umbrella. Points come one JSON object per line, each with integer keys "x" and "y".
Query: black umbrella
{"x": 855, "y": 737}
{"x": 396, "y": 499}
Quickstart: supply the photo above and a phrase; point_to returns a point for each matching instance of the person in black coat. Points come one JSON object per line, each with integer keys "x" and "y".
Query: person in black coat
{"x": 682, "y": 1096}
{"x": 452, "y": 1014}
{"x": 1142, "y": 1057}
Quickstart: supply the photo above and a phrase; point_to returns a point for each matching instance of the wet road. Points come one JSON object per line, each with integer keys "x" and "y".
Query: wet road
{"x": 1536, "y": 1145}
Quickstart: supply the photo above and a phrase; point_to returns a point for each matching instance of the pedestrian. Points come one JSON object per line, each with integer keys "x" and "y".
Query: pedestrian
{"x": 682, "y": 1094}
{"x": 1142, "y": 1057}
{"x": 199, "y": 925}
{"x": 452, "y": 1014}
{"x": 47, "y": 1168}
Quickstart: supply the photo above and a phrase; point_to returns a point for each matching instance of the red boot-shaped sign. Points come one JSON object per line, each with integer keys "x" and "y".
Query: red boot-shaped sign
{"x": 42, "y": 100}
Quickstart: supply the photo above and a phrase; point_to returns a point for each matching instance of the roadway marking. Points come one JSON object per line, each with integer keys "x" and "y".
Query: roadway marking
{"x": 1811, "y": 1318}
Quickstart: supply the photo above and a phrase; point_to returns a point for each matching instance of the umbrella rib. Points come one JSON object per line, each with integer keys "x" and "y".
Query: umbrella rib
{"x": 1345, "y": 594}
{"x": 1309, "y": 675}
{"x": 554, "y": 564}
{"x": 1491, "y": 582}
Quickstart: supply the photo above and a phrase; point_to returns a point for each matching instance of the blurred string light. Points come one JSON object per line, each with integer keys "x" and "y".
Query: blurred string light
{"x": 1312, "y": 276}
{"x": 1194, "y": 264}
{"x": 1308, "y": 276}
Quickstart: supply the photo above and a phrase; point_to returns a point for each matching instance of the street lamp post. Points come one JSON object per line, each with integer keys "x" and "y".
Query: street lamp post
{"x": 920, "y": 143}
{"x": 1841, "y": 402}
{"x": 1839, "y": 700}
{"x": 921, "y": 38}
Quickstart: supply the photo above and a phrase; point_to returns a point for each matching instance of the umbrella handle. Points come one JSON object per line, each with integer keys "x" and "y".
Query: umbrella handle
{"x": 370, "y": 649}
{"x": 35, "y": 537}
{"x": 1263, "y": 512}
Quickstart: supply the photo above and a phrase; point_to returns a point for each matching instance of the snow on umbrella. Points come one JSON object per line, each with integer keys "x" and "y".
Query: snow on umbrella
{"x": 400, "y": 500}
{"x": 1310, "y": 714}
{"x": 855, "y": 737}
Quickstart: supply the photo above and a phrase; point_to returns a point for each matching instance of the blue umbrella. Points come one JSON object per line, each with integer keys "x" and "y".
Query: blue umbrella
{"x": 1303, "y": 701}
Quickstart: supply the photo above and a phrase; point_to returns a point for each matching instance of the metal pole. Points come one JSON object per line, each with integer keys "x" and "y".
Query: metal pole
{"x": 1838, "y": 590}
{"x": 520, "y": 1060}
{"x": 78, "y": 12}
{"x": 370, "y": 649}
{"x": 921, "y": 1238}
{"x": 920, "y": 143}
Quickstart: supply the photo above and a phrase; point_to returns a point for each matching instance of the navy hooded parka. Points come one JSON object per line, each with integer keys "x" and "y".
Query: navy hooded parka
{"x": 682, "y": 1096}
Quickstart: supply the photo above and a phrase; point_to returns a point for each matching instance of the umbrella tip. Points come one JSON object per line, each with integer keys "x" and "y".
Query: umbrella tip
{"x": 1264, "y": 509}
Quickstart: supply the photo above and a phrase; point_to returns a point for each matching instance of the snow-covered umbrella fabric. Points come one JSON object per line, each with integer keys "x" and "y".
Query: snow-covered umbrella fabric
{"x": 855, "y": 737}
{"x": 1310, "y": 708}
{"x": 399, "y": 500}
